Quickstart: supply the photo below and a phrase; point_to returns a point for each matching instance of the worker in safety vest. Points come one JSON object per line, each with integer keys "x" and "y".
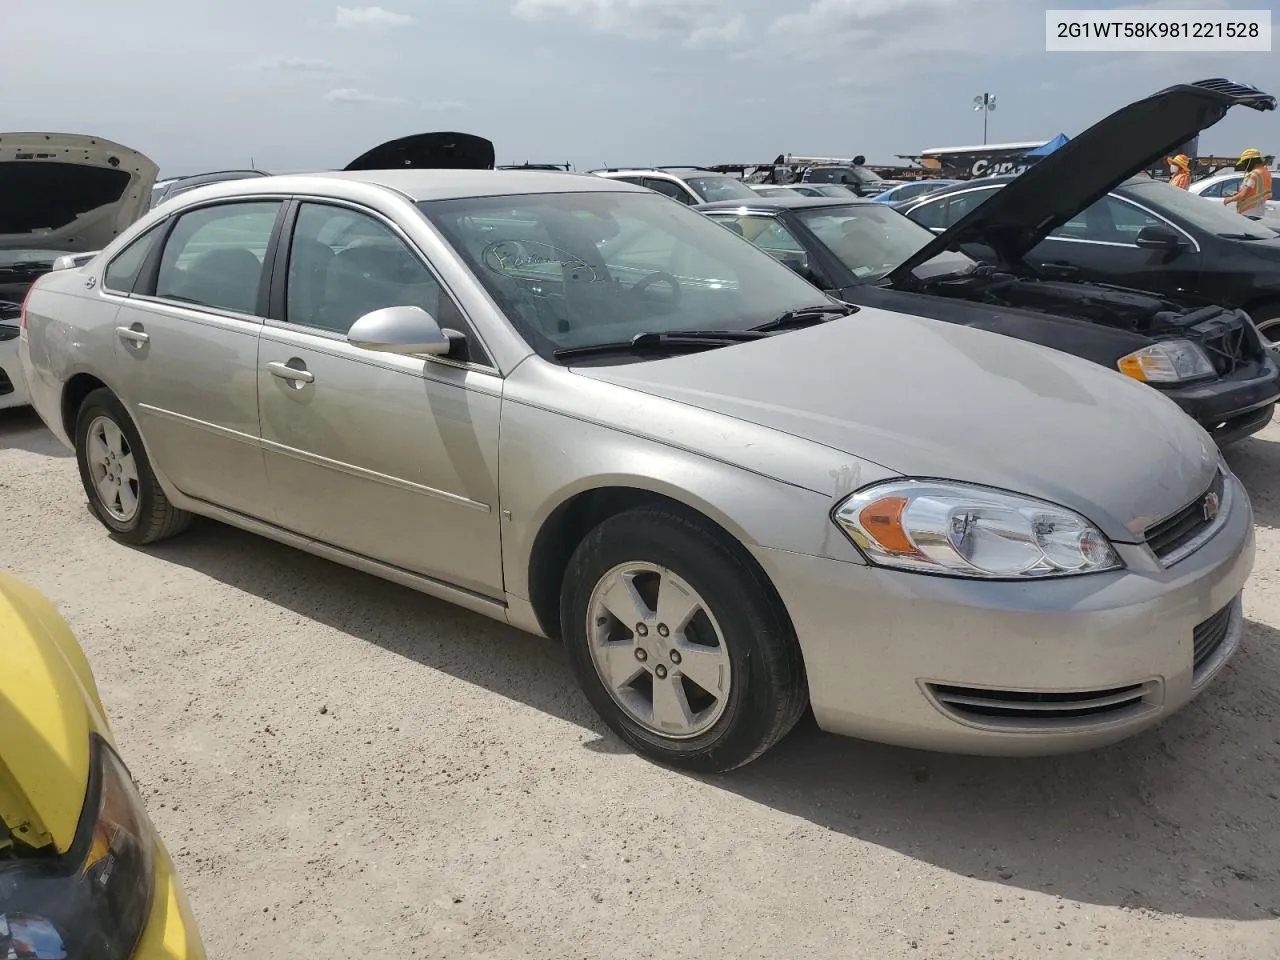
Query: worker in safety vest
{"x": 1180, "y": 168}
{"x": 1251, "y": 199}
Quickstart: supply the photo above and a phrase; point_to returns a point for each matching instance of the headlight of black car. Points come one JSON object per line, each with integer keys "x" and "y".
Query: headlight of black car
{"x": 93, "y": 902}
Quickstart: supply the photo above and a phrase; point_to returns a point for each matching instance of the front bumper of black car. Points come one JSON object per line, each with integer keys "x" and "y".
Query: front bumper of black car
{"x": 1235, "y": 407}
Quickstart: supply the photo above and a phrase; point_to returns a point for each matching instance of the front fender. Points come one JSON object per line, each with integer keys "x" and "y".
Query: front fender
{"x": 548, "y": 458}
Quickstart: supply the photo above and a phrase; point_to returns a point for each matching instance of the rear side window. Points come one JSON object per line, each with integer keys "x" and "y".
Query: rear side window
{"x": 931, "y": 215}
{"x": 1223, "y": 188}
{"x": 122, "y": 273}
{"x": 214, "y": 256}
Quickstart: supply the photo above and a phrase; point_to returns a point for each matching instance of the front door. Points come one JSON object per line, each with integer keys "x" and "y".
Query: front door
{"x": 1098, "y": 244}
{"x": 187, "y": 346}
{"x": 389, "y": 457}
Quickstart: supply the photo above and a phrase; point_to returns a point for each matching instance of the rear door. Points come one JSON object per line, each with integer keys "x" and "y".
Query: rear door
{"x": 388, "y": 457}
{"x": 187, "y": 345}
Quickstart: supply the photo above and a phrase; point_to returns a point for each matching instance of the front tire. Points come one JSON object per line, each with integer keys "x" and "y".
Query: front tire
{"x": 118, "y": 480}
{"x": 679, "y": 641}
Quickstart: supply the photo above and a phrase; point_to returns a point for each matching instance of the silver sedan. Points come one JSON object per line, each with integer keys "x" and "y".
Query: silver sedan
{"x": 583, "y": 409}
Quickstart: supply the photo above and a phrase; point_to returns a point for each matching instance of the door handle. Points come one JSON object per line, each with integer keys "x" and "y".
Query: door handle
{"x": 286, "y": 372}
{"x": 131, "y": 335}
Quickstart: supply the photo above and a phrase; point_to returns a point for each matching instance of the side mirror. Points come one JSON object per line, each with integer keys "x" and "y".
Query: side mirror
{"x": 400, "y": 330}
{"x": 1158, "y": 238}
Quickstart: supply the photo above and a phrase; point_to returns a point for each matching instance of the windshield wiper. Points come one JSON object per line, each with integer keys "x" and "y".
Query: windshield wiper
{"x": 807, "y": 317}
{"x": 23, "y": 266}
{"x": 676, "y": 341}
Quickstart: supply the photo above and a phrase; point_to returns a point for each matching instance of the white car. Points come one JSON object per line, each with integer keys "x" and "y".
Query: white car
{"x": 1226, "y": 183}
{"x": 89, "y": 190}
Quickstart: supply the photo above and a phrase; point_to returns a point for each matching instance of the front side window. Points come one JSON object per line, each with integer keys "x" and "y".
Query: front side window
{"x": 344, "y": 264}
{"x": 1108, "y": 220}
{"x": 872, "y": 239}
{"x": 961, "y": 204}
{"x": 122, "y": 272}
{"x": 576, "y": 269}
{"x": 214, "y": 256}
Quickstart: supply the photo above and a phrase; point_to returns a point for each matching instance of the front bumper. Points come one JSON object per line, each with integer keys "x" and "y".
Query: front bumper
{"x": 171, "y": 932}
{"x": 1235, "y": 408}
{"x": 1083, "y": 661}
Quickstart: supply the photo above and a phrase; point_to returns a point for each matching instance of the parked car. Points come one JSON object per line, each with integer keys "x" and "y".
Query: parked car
{"x": 689, "y": 185}
{"x": 1084, "y": 213}
{"x": 1224, "y": 184}
{"x": 1209, "y": 360}
{"x": 79, "y": 192}
{"x": 578, "y": 408}
{"x": 83, "y": 872}
{"x": 912, "y": 190}
{"x": 859, "y": 179}
{"x": 172, "y": 186}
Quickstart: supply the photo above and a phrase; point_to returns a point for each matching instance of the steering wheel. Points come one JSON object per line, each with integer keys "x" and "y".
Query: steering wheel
{"x": 643, "y": 285}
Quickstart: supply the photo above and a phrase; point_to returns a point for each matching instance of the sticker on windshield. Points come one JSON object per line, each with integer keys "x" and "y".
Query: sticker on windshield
{"x": 533, "y": 260}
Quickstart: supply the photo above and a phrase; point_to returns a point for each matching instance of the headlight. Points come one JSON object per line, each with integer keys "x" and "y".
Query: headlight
{"x": 93, "y": 902}
{"x": 960, "y": 530}
{"x": 1168, "y": 361}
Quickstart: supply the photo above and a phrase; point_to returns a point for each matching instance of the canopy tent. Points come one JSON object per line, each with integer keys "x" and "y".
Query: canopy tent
{"x": 1048, "y": 148}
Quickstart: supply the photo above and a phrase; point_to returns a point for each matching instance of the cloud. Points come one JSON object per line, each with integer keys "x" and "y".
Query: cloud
{"x": 726, "y": 34}
{"x": 698, "y": 23}
{"x": 348, "y": 18}
{"x": 444, "y": 106}
{"x": 351, "y": 95}
{"x": 296, "y": 65}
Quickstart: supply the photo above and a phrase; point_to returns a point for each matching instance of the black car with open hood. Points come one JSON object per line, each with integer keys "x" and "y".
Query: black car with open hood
{"x": 429, "y": 151}
{"x": 1208, "y": 358}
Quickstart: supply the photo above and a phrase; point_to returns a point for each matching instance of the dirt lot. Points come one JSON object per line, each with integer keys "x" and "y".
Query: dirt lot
{"x": 344, "y": 768}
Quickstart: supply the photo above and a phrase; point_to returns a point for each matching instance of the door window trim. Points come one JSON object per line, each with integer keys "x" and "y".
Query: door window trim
{"x": 277, "y": 302}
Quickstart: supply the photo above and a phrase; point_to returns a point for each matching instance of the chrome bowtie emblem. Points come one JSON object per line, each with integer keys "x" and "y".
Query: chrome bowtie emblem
{"x": 1212, "y": 504}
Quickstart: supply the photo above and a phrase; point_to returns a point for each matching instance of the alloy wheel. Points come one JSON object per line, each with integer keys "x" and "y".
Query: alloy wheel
{"x": 112, "y": 468}
{"x": 658, "y": 650}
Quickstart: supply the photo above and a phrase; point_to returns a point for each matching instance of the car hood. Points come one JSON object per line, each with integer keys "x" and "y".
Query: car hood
{"x": 1084, "y": 169}
{"x": 49, "y": 707}
{"x": 429, "y": 151}
{"x": 69, "y": 192}
{"x": 926, "y": 398}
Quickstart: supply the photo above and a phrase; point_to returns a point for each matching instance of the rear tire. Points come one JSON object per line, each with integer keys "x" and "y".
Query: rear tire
{"x": 118, "y": 480}
{"x": 679, "y": 641}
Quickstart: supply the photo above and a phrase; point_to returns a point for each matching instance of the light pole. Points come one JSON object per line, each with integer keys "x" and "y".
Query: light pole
{"x": 986, "y": 102}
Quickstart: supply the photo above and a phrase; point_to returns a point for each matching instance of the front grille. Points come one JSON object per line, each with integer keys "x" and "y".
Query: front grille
{"x": 1209, "y": 636}
{"x": 1040, "y": 710}
{"x": 1169, "y": 536}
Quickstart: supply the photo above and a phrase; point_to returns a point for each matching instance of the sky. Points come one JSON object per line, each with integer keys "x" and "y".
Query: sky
{"x": 307, "y": 84}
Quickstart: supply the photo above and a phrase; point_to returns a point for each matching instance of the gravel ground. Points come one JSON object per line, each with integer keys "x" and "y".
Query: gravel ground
{"x": 343, "y": 768}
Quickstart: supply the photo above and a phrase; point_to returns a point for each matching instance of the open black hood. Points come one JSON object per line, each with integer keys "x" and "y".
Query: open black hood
{"x": 429, "y": 151}
{"x": 1083, "y": 170}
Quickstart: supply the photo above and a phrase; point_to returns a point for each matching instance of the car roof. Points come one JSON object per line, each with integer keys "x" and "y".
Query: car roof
{"x": 785, "y": 202}
{"x": 421, "y": 185}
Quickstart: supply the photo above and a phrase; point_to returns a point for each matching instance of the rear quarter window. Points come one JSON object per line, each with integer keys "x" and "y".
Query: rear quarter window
{"x": 122, "y": 272}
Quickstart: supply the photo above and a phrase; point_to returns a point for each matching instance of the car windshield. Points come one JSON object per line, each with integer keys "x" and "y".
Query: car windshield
{"x": 577, "y": 269}
{"x": 872, "y": 239}
{"x": 1211, "y": 217}
{"x": 711, "y": 189}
